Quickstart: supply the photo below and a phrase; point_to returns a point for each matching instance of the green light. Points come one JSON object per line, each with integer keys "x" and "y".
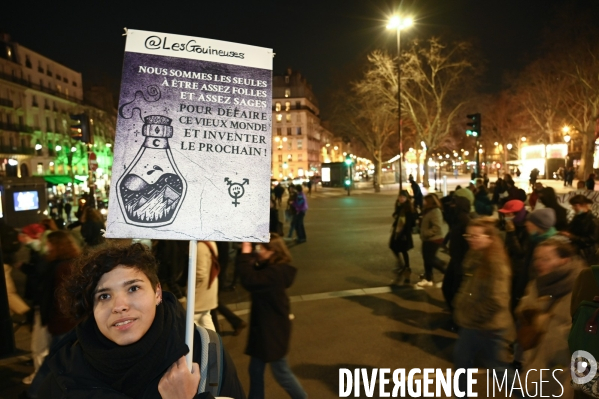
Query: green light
{"x": 347, "y": 182}
{"x": 468, "y": 132}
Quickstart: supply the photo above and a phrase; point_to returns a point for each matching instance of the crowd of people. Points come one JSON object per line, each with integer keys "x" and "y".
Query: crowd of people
{"x": 107, "y": 316}
{"x": 515, "y": 262}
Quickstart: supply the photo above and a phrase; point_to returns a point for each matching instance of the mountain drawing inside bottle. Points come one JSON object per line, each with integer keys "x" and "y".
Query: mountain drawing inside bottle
{"x": 151, "y": 203}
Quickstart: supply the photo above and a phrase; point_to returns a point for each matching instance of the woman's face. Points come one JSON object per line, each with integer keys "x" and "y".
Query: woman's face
{"x": 477, "y": 239}
{"x": 402, "y": 199}
{"x": 125, "y": 304}
{"x": 546, "y": 259}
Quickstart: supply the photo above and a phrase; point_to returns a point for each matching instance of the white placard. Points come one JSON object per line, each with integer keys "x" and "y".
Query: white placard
{"x": 192, "y": 152}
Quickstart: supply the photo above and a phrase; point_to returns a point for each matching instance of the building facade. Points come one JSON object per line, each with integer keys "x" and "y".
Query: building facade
{"x": 296, "y": 128}
{"x": 37, "y": 97}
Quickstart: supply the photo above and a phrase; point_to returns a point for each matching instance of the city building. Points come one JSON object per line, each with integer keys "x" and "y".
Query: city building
{"x": 296, "y": 128}
{"x": 37, "y": 98}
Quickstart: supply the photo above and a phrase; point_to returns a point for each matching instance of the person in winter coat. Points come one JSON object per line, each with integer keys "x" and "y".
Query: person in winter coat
{"x": 206, "y": 297}
{"x": 583, "y": 230}
{"x": 549, "y": 200}
{"x": 61, "y": 253}
{"x": 130, "y": 338}
{"x": 544, "y": 317}
{"x": 458, "y": 247}
{"x": 432, "y": 238}
{"x": 481, "y": 307}
{"x": 482, "y": 203}
{"x": 266, "y": 274}
{"x": 590, "y": 182}
{"x": 92, "y": 224}
{"x": 401, "y": 236}
{"x": 516, "y": 241}
{"x": 417, "y": 194}
{"x": 300, "y": 204}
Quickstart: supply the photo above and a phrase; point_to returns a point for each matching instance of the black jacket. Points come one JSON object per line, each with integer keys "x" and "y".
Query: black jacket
{"x": 270, "y": 327}
{"x": 71, "y": 377}
{"x": 584, "y": 230}
{"x": 402, "y": 241}
{"x": 458, "y": 247}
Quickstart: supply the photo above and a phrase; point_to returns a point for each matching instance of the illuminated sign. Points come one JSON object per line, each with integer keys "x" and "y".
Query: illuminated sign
{"x": 326, "y": 175}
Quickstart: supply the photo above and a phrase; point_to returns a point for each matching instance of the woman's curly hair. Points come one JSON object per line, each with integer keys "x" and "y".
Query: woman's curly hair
{"x": 77, "y": 293}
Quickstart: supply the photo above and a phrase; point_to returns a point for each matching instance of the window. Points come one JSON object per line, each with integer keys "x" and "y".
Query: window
{"x": 74, "y": 83}
{"x": 34, "y": 101}
{"x": 290, "y": 158}
{"x": 288, "y": 131}
{"x": 27, "y": 62}
{"x": 21, "y": 121}
{"x": 52, "y": 171}
{"x": 58, "y": 77}
{"x": 298, "y": 105}
{"x": 279, "y": 117}
{"x": 40, "y": 168}
{"x": 279, "y": 131}
{"x": 300, "y": 144}
{"x": 48, "y": 127}
{"x": 288, "y": 117}
{"x": 65, "y": 80}
{"x": 289, "y": 145}
{"x": 299, "y": 157}
{"x": 24, "y": 143}
{"x": 278, "y": 107}
{"x": 287, "y": 106}
{"x": 286, "y": 79}
{"x": 58, "y": 88}
{"x": 280, "y": 158}
{"x": 41, "y": 83}
{"x": 299, "y": 131}
{"x": 287, "y": 92}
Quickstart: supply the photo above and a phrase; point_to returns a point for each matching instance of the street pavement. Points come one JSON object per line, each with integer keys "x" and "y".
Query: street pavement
{"x": 347, "y": 313}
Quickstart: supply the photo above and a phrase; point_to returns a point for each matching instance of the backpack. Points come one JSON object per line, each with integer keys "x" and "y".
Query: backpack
{"x": 211, "y": 364}
{"x": 584, "y": 333}
{"x": 215, "y": 266}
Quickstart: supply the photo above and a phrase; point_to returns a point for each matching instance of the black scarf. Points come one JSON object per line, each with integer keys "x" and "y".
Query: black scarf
{"x": 557, "y": 283}
{"x": 130, "y": 369}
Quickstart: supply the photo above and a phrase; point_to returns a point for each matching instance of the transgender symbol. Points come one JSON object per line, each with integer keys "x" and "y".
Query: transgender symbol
{"x": 236, "y": 190}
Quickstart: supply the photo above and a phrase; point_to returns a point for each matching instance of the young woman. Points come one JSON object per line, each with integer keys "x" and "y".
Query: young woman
{"x": 130, "y": 340}
{"x": 482, "y": 304}
{"x": 401, "y": 236}
{"x": 432, "y": 238}
{"x": 544, "y": 316}
{"x": 266, "y": 273}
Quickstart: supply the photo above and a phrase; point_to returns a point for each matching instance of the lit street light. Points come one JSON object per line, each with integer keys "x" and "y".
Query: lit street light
{"x": 398, "y": 23}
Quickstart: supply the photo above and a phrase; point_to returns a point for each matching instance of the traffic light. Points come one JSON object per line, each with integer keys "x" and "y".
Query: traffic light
{"x": 348, "y": 160}
{"x": 347, "y": 182}
{"x": 80, "y": 130}
{"x": 475, "y": 125}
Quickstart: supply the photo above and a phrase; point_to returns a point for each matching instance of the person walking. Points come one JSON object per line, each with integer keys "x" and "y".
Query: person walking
{"x": 404, "y": 220}
{"x": 481, "y": 307}
{"x": 67, "y": 210}
{"x": 300, "y": 204}
{"x": 417, "y": 194}
{"x": 458, "y": 247}
{"x": 544, "y": 317}
{"x": 432, "y": 238}
{"x": 290, "y": 212}
{"x": 266, "y": 273}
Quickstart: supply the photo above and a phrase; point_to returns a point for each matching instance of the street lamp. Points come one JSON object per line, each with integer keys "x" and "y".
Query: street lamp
{"x": 398, "y": 23}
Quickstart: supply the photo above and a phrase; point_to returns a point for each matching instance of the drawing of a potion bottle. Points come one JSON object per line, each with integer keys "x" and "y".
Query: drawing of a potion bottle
{"x": 152, "y": 189}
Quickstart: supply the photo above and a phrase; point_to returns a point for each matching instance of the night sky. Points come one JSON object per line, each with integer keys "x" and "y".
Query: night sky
{"x": 320, "y": 38}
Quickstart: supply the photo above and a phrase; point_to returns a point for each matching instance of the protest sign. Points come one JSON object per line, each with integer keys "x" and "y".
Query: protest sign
{"x": 192, "y": 151}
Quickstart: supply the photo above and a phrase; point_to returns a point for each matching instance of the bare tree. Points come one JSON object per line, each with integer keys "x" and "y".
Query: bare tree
{"x": 434, "y": 74}
{"x": 361, "y": 113}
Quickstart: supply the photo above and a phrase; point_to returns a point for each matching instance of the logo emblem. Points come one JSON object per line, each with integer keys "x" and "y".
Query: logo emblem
{"x": 236, "y": 190}
{"x": 583, "y": 367}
